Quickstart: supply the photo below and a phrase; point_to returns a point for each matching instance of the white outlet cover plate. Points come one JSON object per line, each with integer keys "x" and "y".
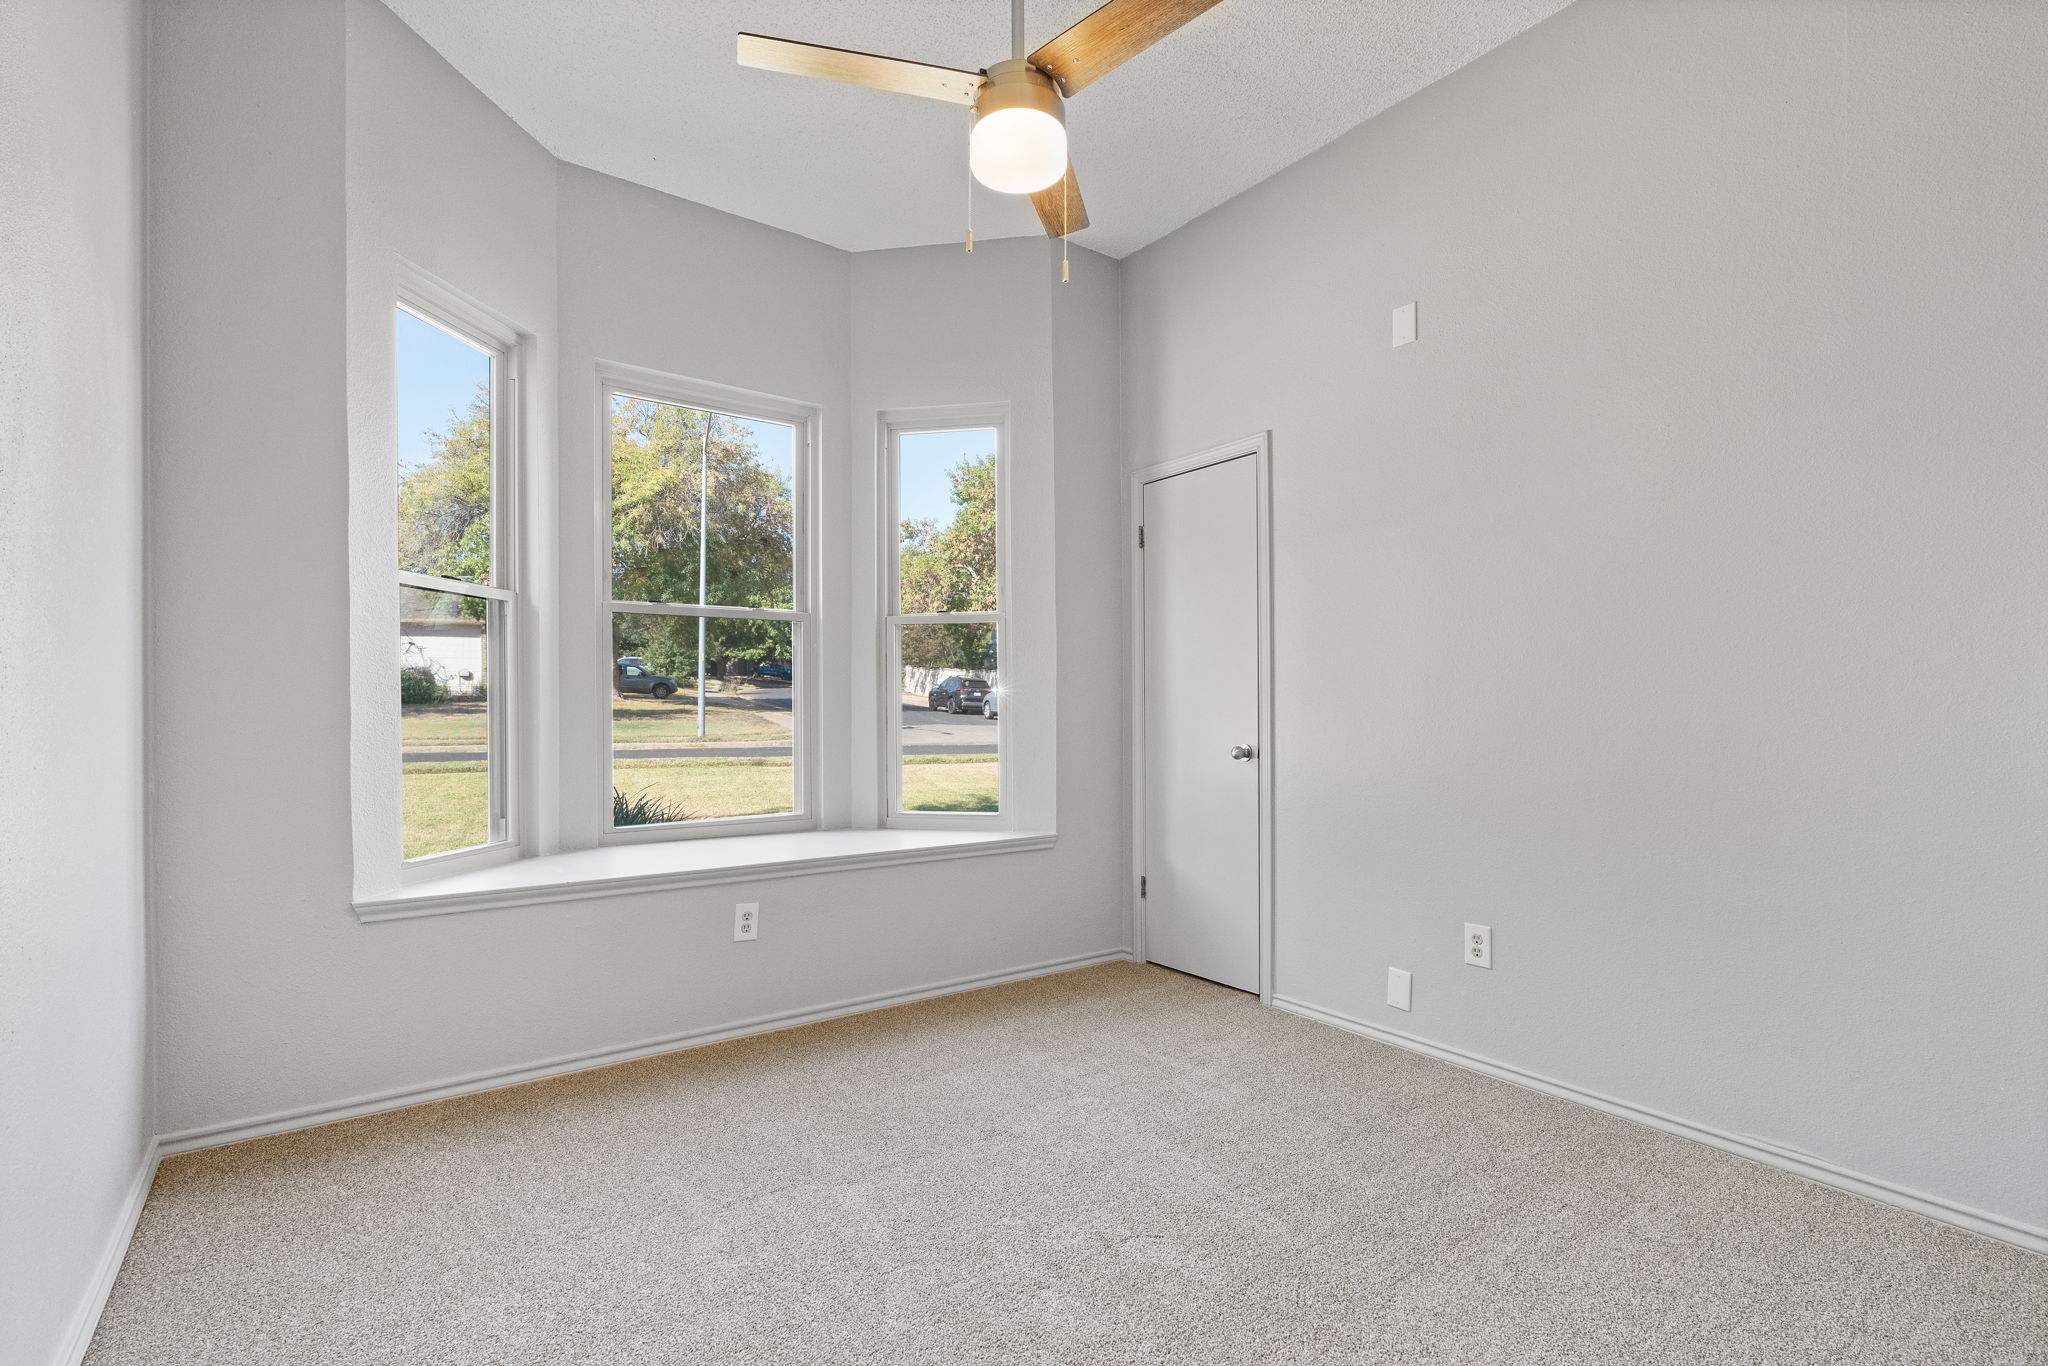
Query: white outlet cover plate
{"x": 746, "y": 920}
{"x": 1399, "y": 984}
{"x": 1479, "y": 945}
{"x": 1404, "y": 324}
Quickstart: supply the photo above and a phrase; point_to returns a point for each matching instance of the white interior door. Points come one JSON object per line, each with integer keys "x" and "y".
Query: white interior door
{"x": 1201, "y": 704}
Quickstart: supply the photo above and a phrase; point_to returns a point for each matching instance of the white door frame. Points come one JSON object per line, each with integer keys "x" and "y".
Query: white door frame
{"x": 1259, "y": 448}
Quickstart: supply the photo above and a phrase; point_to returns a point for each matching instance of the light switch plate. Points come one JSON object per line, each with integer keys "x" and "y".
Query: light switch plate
{"x": 1404, "y": 324}
{"x": 1398, "y": 988}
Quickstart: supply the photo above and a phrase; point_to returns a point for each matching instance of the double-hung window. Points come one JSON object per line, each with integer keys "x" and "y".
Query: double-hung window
{"x": 707, "y": 622}
{"x": 457, "y": 590}
{"x": 943, "y": 683}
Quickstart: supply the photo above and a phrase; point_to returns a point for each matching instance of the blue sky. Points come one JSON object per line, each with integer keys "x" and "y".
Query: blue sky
{"x": 437, "y": 377}
{"x": 774, "y": 444}
{"x": 924, "y": 492}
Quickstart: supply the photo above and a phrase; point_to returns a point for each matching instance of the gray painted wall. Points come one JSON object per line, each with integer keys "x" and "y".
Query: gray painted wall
{"x": 440, "y": 180}
{"x": 274, "y": 998}
{"x": 1673, "y": 605}
{"x": 654, "y": 281}
{"x": 73, "y": 1022}
{"x": 935, "y": 321}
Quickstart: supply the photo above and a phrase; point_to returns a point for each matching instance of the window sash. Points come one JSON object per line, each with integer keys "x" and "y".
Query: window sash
{"x": 942, "y": 618}
{"x": 893, "y": 811}
{"x": 895, "y": 426}
{"x": 647, "y": 386}
{"x": 500, "y": 630}
{"x": 801, "y": 816}
{"x": 502, "y": 349}
{"x": 437, "y": 584}
{"x": 439, "y": 308}
{"x": 692, "y": 609}
{"x": 682, "y": 393}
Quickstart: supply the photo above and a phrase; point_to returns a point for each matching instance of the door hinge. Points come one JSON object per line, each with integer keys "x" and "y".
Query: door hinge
{"x": 1141, "y": 886}
{"x": 1141, "y": 538}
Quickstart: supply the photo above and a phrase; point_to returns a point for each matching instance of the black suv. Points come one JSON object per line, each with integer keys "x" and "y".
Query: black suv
{"x": 958, "y": 694}
{"x": 631, "y": 674}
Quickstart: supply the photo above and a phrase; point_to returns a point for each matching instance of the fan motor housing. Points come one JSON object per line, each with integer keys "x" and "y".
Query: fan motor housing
{"x": 1017, "y": 84}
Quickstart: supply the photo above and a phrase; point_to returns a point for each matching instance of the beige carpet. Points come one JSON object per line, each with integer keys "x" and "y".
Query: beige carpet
{"x": 1119, "y": 1164}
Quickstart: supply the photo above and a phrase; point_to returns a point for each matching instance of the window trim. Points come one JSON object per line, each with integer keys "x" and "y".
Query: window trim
{"x": 439, "y": 306}
{"x": 633, "y": 381}
{"x": 892, "y": 425}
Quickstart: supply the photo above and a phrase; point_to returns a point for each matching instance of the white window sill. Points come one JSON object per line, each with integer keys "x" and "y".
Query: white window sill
{"x": 625, "y": 869}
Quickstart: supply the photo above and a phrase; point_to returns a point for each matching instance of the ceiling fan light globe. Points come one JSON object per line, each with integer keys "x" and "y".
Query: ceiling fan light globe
{"x": 1017, "y": 151}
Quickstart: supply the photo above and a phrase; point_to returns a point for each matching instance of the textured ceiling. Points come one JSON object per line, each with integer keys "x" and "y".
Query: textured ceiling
{"x": 648, "y": 90}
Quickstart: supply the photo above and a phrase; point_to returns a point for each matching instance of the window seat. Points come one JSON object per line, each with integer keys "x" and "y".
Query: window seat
{"x": 628, "y": 869}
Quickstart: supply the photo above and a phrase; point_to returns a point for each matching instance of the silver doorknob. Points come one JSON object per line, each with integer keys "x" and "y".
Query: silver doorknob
{"x": 1242, "y": 753}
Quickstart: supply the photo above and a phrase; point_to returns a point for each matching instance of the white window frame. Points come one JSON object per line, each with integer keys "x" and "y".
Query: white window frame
{"x": 895, "y": 424}
{"x": 725, "y": 401}
{"x": 439, "y": 306}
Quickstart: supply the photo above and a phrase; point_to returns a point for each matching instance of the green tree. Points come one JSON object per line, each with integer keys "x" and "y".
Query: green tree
{"x": 970, "y": 645}
{"x": 659, "y": 454}
{"x": 444, "y": 503}
{"x": 953, "y": 570}
{"x": 658, "y": 457}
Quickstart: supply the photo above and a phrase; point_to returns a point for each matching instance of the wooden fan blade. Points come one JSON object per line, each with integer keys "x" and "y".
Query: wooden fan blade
{"x": 1059, "y": 206}
{"x": 860, "y": 68}
{"x": 1111, "y": 36}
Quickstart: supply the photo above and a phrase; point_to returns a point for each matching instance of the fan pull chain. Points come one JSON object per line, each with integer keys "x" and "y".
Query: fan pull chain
{"x": 1066, "y": 226}
{"x": 970, "y": 190}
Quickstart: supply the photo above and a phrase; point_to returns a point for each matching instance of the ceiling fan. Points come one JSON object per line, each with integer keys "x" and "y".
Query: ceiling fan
{"x": 1019, "y": 141}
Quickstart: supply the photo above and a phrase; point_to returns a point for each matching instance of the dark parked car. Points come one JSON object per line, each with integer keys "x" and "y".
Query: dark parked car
{"x": 958, "y": 694}
{"x": 631, "y": 674}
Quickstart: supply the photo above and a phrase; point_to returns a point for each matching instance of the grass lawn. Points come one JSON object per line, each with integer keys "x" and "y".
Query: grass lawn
{"x": 446, "y": 805}
{"x": 710, "y": 788}
{"x": 644, "y": 721}
{"x": 449, "y": 725}
{"x": 946, "y": 782}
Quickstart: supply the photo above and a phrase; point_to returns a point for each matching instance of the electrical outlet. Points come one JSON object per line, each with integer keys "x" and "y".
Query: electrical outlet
{"x": 1479, "y": 945}
{"x": 1399, "y": 984}
{"x": 746, "y": 920}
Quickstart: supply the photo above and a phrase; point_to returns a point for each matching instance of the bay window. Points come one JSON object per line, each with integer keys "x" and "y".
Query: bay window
{"x": 571, "y": 727}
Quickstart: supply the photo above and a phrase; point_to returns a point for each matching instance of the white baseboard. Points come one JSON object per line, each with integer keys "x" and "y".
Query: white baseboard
{"x": 213, "y": 1136}
{"x": 87, "y": 1316}
{"x": 1742, "y": 1145}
